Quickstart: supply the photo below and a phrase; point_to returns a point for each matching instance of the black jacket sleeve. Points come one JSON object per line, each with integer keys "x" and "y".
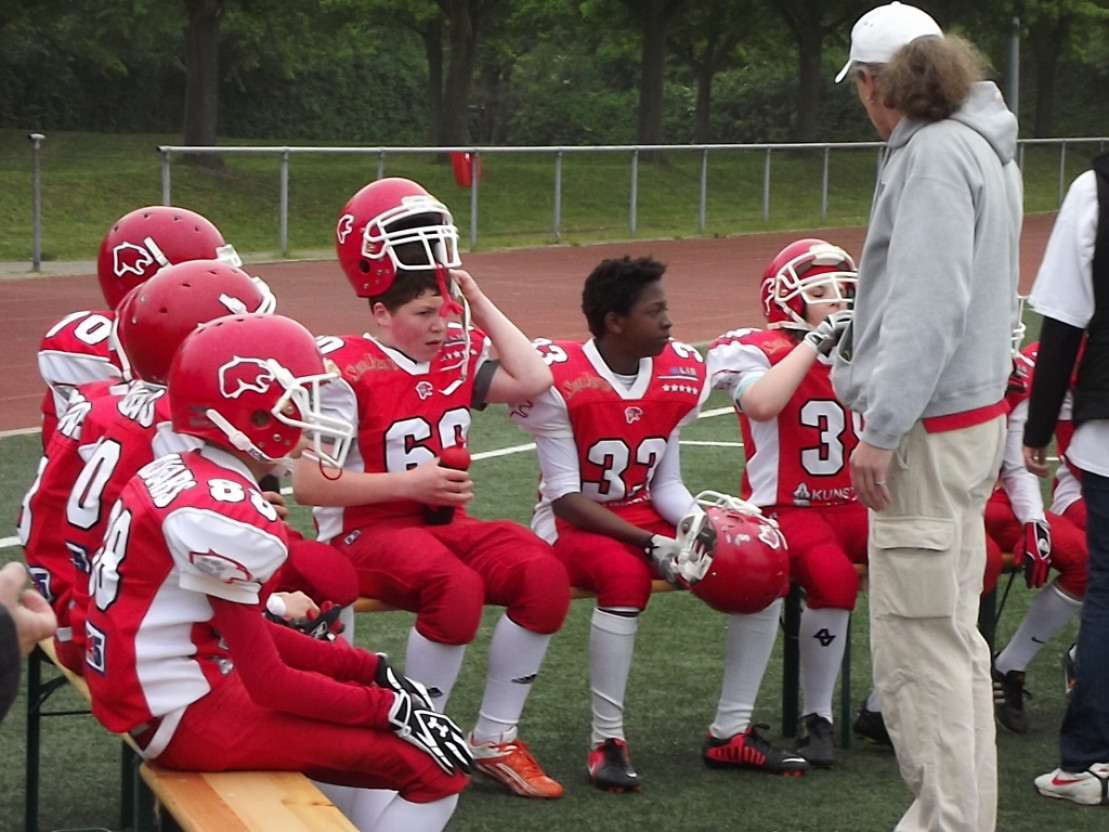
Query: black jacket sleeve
{"x": 11, "y": 661}
{"x": 1059, "y": 344}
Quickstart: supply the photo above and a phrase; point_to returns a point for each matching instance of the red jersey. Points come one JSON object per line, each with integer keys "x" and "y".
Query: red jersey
{"x": 48, "y": 527}
{"x": 406, "y": 412}
{"x": 74, "y": 351}
{"x": 620, "y": 427}
{"x": 800, "y": 457}
{"x": 186, "y": 527}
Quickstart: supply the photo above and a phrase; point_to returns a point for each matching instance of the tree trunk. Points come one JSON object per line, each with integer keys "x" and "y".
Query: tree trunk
{"x": 808, "y": 88}
{"x": 202, "y": 77}
{"x": 433, "y": 48}
{"x": 1047, "y": 41}
{"x": 653, "y": 73}
{"x": 456, "y": 101}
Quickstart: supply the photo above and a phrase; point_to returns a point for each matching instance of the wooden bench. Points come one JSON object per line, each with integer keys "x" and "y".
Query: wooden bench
{"x": 229, "y": 801}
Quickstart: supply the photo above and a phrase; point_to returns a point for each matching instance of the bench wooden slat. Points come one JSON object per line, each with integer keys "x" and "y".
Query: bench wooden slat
{"x": 367, "y": 604}
{"x": 244, "y": 801}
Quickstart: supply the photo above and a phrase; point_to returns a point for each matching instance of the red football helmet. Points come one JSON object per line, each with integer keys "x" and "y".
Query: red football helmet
{"x": 733, "y": 558}
{"x": 794, "y": 271}
{"x": 148, "y": 239}
{"x": 251, "y": 383}
{"x": 394, "y": 225}
{"x": 153, "y": 319}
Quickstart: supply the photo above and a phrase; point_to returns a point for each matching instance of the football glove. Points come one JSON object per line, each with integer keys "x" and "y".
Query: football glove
{"x": 323, "y": 626}
{"x": 664, "y": 552}
{"x": 1036, "y": 558}
{"x": 433, "y": 733}
{"x": 386, "y": 676}
{"x": 824, "y": 337}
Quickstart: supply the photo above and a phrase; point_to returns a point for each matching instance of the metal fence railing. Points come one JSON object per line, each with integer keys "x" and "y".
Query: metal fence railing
{"x": 473, "y": 155}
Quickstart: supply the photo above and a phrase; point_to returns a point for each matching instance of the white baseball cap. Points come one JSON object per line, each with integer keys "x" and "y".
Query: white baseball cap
{"x": 880, "y": 32}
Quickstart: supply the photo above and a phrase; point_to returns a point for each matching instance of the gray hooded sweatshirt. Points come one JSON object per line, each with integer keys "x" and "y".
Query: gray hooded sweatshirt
{"x": 936, "y": 295}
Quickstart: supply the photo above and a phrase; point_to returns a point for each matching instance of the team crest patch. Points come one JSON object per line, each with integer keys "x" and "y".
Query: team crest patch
{"x": 344, "y": 227}
{"x": 242, "y": 374}
{"x": 633, "y": 414}
{"x": 424, "y": 390}
{"x": 128, "y": 258}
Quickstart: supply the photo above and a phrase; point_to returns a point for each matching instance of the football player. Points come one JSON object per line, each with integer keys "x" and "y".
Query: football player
{"x": 76, "y": 350}
{"x": 409, "y": 388}
{"x": 797, "y": 439}
{"x": 110, "y": 431}
{"x": 180, "y": 656}
{"x": 1017, "y": 522}
{"x": 612, "y": 497}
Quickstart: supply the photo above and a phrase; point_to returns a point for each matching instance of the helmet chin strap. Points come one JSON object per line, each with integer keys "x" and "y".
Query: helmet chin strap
{"x": 453, "y": 307}
{"x": 239, "y": 440}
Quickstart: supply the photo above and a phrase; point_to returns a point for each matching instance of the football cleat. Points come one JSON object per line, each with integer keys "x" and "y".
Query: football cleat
{"x": 872, "y": 726}
{"x": 816, "y": 744}
{"x": 751, "y": 750}
{"x": 1089, "y": 787}
{"x": 510, "y": 763}
{"x": 609, "y": 767}
{"x": 1070, "y": 668}
{"x": 1008, "y": 699}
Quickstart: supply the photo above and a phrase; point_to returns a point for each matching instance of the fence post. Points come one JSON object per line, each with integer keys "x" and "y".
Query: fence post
{"x": 283, "y": 221}
{"x": 381, "y": 164}
{"x": 824, "y": 187}
{"x": 558, "y": 197}
{"x": 634, "y": 191}
{"x": 1062, "y": 169}
{"x": 704, "y": 190}
{"x": 36, "y": 140}
{"x": 766, "y": 187}
{"x": 475, "y": 165}
{"x": 165, "y": 177}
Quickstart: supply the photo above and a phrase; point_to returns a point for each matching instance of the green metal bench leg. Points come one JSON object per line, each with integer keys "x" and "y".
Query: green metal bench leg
{"x": 141, "y": 803}
{"x": 791, "y": 660}
{"x": 34, "y": 735}
{"x": 845, "y": 692}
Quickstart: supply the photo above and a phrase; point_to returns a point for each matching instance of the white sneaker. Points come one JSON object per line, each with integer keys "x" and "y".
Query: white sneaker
{"x": 1089, "y": 787}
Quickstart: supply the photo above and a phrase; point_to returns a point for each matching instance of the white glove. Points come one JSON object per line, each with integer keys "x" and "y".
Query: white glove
{"x": 664, "y": 552}
{"x": 824, "y": 337}
{"x": 433, "y": 733}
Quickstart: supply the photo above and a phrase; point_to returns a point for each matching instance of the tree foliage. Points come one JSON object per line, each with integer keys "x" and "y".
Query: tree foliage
{"x": 456, "y": 72}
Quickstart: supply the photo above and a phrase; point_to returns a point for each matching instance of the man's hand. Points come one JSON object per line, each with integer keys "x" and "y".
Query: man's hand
{"x": 824, "y": 337}
{"x": 431, "y": 732}
{"x": 34, "y": 619}
{"x": 1036, "y": 558}
{"x": 663, "y": 552}
{"x": 386, "y": 676}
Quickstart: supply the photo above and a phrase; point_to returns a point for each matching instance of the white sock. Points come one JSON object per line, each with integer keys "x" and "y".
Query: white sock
{"x": 872, "y": 703}
{"x": 435, "y": 665}
{"x": 368, "y": 805}
{"x": 611, "y": 644}
{"x": 823, "y": 640}
{"x": 1046, "y": 615}
{"x": 404, "y": 816}
{"x": 515, "y": 655}
{"x": 748, "y": 643}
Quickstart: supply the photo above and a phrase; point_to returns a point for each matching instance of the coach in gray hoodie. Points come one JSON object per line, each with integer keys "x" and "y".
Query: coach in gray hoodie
{"x": 925, "y": 362}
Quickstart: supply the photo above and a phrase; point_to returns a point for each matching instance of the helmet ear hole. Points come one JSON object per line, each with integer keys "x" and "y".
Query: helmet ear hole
{"x": 364, "y": 266}
{"x": 260, "y": 418}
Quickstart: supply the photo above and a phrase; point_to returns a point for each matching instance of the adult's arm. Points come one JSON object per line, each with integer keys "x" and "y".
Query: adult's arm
{"x": 1059, "y": 345}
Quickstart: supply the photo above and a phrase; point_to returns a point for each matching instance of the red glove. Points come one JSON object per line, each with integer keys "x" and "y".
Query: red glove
{"x": 1037, "y": 553}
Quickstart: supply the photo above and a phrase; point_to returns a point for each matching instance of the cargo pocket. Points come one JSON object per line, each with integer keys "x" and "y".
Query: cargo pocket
{"x": 912, "y": 567}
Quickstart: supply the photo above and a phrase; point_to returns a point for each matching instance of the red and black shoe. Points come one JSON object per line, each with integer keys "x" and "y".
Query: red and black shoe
{"x": 753, "y": 751}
